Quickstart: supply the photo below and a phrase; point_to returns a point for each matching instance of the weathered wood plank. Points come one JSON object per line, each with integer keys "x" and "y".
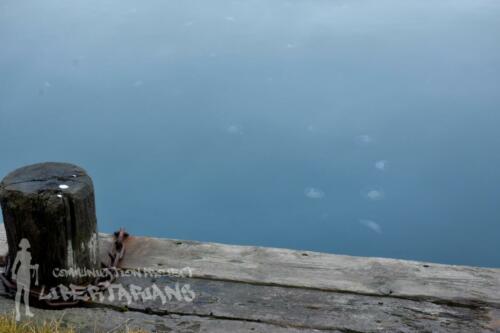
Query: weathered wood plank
{"x": 248, "y": 289}
{"x": 104, "y": 320}
{"x": 301, "y": 308}
{"x": 222, "y": 306}
{"x": 305, "y": 269}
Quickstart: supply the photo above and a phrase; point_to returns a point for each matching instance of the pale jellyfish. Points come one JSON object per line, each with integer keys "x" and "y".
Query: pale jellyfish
{"x": 234, "y": 129}
{"x": 381, "y": 165}
{"x": 374, "y": 194}
{"x": 371, "y": 225}
{"x": 314, "y": 193}
{"x": 365, "y": 139}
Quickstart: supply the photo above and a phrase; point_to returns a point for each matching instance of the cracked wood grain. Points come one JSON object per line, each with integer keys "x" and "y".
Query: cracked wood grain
{"x": 276, "y": 290}
{"x": 447, "y": 284}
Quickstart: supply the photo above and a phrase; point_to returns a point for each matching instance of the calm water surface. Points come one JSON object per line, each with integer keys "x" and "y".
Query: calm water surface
{"x": 357, "y": 127}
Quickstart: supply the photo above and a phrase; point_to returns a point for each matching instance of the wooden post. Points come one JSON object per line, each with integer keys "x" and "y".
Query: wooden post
{"x": 52, "y": 206}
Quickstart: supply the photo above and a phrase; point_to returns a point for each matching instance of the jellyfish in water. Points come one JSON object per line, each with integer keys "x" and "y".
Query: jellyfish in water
{"x": 364, "y": 139}
{"x": 381, "y": 165}
{"x": 374, "y": 194}
{"x": 234, "y": 129}
{"x": 371, "y": 225}
{"x": 314, "y": 193}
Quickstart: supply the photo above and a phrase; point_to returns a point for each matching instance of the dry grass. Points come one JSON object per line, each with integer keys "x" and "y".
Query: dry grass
{"x": 8, "y": 324}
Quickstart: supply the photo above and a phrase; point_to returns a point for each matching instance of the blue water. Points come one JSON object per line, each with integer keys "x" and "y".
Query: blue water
{"x": 354, "y": 127}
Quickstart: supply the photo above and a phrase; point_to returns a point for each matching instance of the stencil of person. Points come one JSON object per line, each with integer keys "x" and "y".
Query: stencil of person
{"x": 23, "y": 277}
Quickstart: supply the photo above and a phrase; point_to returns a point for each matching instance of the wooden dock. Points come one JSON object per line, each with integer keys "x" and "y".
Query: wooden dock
{"x": 255, "y": 289}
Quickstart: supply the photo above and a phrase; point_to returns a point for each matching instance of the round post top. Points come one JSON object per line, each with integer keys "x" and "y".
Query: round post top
{"x": 49, "y": 176}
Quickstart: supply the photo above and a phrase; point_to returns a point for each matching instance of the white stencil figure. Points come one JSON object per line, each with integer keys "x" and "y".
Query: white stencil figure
{"x": 23, "y": 277}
